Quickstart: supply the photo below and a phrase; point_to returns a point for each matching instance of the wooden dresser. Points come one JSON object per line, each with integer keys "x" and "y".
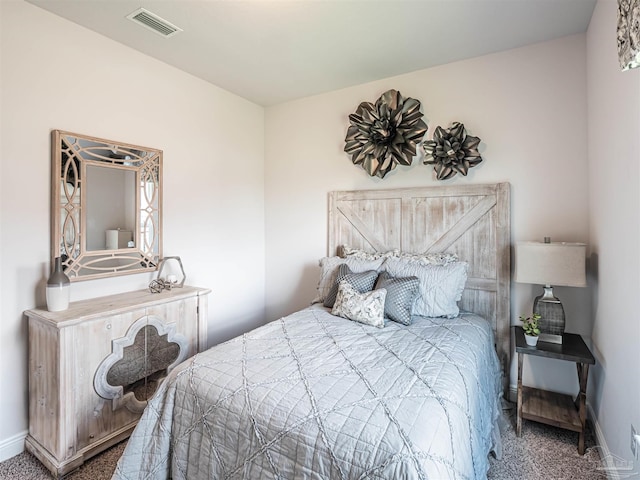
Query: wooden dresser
{"x": 93, "y": 366}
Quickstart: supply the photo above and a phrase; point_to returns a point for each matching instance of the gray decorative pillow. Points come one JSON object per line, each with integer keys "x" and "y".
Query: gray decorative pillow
{"x": 365, "y": 308}
{"x": 329, "y": 272}
{"x": 401, "y": 293}
{"x": 362, "y": 282}
{"x": 440, "y": 288}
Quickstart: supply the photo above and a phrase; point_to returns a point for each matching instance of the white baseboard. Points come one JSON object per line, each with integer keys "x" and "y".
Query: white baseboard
{"x": 12, "y": 446}
{"x": 616, "y": 468}
{"x": 605, "y": 453}
{"x": 513, "y": 393}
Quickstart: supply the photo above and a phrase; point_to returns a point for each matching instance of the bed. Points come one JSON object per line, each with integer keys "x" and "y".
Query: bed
{"x": 316, "y": 395}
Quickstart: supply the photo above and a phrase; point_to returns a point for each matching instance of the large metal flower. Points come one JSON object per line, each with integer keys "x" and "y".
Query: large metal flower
{"x": 385, "y": 134}
{"x": 451, "y": 151}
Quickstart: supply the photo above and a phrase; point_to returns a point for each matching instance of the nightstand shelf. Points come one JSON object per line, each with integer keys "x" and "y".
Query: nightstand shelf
{"x": 553, "y": 408}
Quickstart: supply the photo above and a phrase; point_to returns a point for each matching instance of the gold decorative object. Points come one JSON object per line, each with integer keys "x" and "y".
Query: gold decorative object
{"x": 629, "y": 34}
{"x": 385, "y": 134}
{"x": 157, "y": 286}
{"x": 451, "y": 151}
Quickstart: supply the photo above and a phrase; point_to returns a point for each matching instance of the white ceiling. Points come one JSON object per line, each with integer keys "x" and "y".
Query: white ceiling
{"x": 272, "y": 51}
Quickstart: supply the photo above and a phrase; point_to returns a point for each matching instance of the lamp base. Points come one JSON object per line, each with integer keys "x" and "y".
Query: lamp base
{"x": 552, "y": 318}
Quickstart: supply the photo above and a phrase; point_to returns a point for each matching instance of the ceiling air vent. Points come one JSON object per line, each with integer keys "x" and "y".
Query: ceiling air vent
{"x": 153, "y": 22}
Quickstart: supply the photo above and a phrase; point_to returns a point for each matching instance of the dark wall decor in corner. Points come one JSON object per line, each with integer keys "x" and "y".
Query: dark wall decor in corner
{"x": 451, "y": 151}
{"x": 385, "y": 134}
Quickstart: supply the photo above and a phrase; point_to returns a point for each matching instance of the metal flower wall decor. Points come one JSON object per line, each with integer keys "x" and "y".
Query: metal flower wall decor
{"x": 451, "y": 151}
{"x": 385, "y": 134}
{"x": 629, "y": 34}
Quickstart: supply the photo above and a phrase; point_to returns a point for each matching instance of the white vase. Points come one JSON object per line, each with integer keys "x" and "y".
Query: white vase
{"x": 57, "y": 292}
{"x": 532, "y": 340}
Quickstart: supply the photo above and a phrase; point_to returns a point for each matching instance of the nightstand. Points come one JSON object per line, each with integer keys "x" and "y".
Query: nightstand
{"x": 554, "y": 408}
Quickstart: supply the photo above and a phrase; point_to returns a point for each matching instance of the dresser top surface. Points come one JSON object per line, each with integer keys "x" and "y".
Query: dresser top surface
{"x": 113, "y": 304}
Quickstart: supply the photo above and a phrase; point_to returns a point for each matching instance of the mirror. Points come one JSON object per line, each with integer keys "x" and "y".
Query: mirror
{"x": 106, "y": 206}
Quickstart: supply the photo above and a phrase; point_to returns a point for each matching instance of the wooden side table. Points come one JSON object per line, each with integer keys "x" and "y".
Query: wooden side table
{"x": 554, "y": 408}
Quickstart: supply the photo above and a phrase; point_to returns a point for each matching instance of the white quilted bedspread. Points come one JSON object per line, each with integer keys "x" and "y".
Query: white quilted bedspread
{"x": 314, "y": 396}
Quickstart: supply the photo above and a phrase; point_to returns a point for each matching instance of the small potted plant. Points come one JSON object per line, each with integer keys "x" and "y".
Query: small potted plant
{"x": 531, "y": 328}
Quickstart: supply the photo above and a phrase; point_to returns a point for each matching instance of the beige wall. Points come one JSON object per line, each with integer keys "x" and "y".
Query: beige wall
{"x": 57, "y": 75}
{"x": 614, "y": 213}
{"x": 528, "y": 106}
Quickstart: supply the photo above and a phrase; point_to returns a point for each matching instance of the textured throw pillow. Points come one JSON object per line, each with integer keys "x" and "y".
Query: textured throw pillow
{"x": 430, "y": 258}
{"x": 426, "y": 258}
{"x": 365, "y": 308}
{"x": 362, "y": 282}
{"x": 401, "y": 293}
{"x": 329, "y": 272}
{"x": 347, "y": 252}
{"x": 440, "y": 287}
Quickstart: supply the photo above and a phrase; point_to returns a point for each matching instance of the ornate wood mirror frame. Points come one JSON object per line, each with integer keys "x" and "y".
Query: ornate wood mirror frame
{"x": 106, "y": 206}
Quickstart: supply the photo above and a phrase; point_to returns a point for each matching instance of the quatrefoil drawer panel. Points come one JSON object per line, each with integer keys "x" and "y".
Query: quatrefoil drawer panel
{"x": 139, "y": 361}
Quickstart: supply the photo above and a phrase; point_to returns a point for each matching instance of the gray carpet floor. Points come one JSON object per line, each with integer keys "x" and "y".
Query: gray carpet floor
{"x": 542, "y": 452}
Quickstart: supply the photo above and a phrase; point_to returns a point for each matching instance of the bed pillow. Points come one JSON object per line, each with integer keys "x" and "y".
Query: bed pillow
{"x": 329, "y": 272}
{"x": 347, "y": 252}
{"x": 362, "y": 282}
{"x": 401, "y": 294}
{"x": 430, "y": 258}
{"x": 441, "y": 258}
{"x": 440, "y": 287}
{"x": 365, "y": 307}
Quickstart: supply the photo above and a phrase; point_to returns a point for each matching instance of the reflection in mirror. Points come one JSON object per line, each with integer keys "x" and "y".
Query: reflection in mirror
{"x": 106, "y": 206}
{"x": 110, "y": 225}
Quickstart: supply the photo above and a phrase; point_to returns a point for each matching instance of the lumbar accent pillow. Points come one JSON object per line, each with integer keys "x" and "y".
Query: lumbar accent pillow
{"x": 365, "y": 308}
{"x": 432, "y": 258}
{"x": 346, "y": 251}
{"x": 362, "y": 282}
{"x": 401, "y": 293}
{"x": 440, "y": 288}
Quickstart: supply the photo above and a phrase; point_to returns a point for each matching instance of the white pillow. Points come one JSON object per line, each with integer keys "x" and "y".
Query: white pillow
{"x": 329, "y": 272}
{"x": 440, "y": 288}
{"x": 365, "y": 308}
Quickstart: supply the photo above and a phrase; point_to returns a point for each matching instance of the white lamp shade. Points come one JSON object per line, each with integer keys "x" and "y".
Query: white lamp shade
{"x": 554, "y": 264}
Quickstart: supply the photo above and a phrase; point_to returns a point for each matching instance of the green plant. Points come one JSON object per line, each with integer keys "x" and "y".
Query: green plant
{"x": 530, "y": 324}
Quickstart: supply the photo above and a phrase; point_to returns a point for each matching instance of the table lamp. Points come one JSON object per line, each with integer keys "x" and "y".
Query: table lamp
{"x": 547, "y": 264}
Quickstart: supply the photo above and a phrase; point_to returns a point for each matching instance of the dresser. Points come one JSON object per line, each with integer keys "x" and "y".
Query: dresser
{"x": 93, "y": 366}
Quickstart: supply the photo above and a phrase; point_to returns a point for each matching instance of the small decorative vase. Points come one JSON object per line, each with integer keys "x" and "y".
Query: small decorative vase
{"x": 58, "y": 288}
{"x": 532, "y": 340}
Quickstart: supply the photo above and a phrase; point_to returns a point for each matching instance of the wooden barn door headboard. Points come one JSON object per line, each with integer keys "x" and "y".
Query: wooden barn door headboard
{"x": 472, "y": 221}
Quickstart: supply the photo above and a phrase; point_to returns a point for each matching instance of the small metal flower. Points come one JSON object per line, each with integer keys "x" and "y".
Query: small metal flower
{"x": 451, "y": 151}
{"x": 385, "y": 134}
